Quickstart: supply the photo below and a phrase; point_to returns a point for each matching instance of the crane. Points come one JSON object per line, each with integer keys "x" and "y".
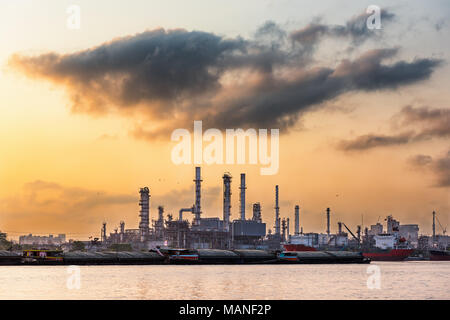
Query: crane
{"x": 444, "y": 230}
{"x": 350, "y": 232}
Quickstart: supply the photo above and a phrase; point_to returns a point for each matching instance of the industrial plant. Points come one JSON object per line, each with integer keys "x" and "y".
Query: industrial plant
{"x": 202, "y": 232}
{"x": 396, "y": 242}
{"x": 251, "y": 233}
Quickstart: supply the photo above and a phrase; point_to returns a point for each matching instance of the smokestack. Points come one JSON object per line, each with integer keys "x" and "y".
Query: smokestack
{"x": 283, "y": 226}
{"x": 160, "y": 213}
{"x": 339, "y": 228}
{"x": 242, "y": 196}
{"x": 103, "y": 237}
{"x": 277, "y": 212}
{"x": 288, "y": 233}
{"x": 279, "y": 226}
{"x": 297, "y": 220}
{"x": 144, "y": 213}
{"x": 198, "y": 180}
{"x": 328, "y": 221}
{"x": 226, "y": 200}
{"x": 122, "y": 230}
{"x": 434, "y": 226}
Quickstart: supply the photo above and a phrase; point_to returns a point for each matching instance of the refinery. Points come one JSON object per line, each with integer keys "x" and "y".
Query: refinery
{"x": 243, "y": 240}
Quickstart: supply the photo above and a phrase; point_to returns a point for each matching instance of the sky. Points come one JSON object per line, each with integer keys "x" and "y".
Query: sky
{"x": 86, "y": 114}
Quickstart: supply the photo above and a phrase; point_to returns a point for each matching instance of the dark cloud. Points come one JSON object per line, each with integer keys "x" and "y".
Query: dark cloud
{"x": 178, "y": 76}
{"x": 279, "y": 104}
{"x": 355, "y": 29}
{"x": 428, "y": 123}
{"x": 432, "y": 122}
{"x": 153, "y": 66}
{"x": 440, "y": 167}
{"x": 420, "y": 160}
{"x": 370, "y": 141}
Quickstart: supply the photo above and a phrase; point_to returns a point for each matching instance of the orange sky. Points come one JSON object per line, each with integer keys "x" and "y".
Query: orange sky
{"x": 65, "y": 172}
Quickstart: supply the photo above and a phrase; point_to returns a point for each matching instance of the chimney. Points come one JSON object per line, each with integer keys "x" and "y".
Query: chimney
{"x": 434, "y": 226}
{"x": 144, "y": 213}
{"x": 288, "y": 233}
{"x": 328, "y": 221}
{"x": 242, "y": 196}
{"x": 197, "y": 211}
{"x": 103, "y": 236}
{"x": 160, "y": 213}
{"x": 226, "y": 200}
{"x": 277, "y": 212}
{"x": 297, "y": 220}
{"x": 122, "y": 230}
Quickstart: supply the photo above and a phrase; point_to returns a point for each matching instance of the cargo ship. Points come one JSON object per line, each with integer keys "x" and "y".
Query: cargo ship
{"x": 301, "y": 242}
{"x": 439, "y": 255}
{"x": 388, "y": 247}
{"x": 388, "y": 254}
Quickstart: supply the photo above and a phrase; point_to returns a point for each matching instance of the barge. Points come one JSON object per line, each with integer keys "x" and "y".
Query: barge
{"x": 10, "y": 258}
{"x": 178, "y": 256}
{"x": 321, "y": 257}
{"x": 439, "y": 255}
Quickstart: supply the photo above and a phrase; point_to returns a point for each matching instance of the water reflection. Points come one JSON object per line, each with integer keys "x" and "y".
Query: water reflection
{"x": 404, "y": 280}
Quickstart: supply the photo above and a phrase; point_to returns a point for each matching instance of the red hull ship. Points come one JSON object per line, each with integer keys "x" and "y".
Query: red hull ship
{"x": 389, "y": 255}
{"x": 298, "y": 247}
{"x": 439, "y": 255}
{"x": 381, "y": 255}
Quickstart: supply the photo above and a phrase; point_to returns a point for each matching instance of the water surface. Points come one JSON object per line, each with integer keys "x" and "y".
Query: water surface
{"x": 398, "y": 280}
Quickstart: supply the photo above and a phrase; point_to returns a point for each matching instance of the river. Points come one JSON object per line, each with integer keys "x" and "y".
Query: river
{"x": 384, "y": 280}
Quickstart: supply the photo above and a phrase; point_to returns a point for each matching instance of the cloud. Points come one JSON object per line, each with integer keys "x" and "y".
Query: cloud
{"x": 440, "y": 167}
{"x": 433, "y": 122}
{"x": 370, "y": 141}
{"x": 168, "y": 78}
{"x": 45, "y": 205}
{"x": 48, "y": 205}
{"x": 420, "y": 160}
{"x": 355, "y": 29}
{"x": 427, "y": 123}
{"x": 49, "y": 194}
{"x": 153, "y": 66}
